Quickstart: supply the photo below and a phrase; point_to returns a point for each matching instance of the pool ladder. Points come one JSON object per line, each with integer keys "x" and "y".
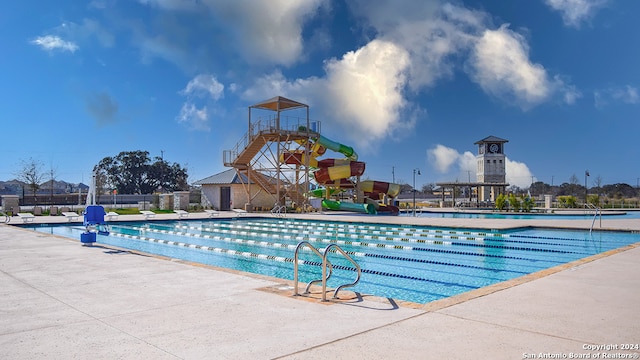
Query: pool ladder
{"x": 325, "y": 264}
{"x": 279, "y": 210}
{"x": 597, "y": 212}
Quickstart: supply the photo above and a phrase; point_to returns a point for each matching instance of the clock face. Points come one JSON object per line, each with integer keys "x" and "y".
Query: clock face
{"x": 481, "y": 149}
{"x": 494, "y": 148}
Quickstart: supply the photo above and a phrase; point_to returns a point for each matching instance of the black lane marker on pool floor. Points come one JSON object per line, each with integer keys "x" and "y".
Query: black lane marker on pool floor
{"x": 282, "y": 259}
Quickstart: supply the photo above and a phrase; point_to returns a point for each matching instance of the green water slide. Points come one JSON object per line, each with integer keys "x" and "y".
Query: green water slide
{"x": 348, "y": 206}
{"x": 335, "y": 146}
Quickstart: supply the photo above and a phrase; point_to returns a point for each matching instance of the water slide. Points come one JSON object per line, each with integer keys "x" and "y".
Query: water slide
{"x": 373, "y": 189}
{"x": 331, "y": 170}
{"x": 349, "y": 206}
{"x": 338, "y": 171}
{"x": 333, "y": 145}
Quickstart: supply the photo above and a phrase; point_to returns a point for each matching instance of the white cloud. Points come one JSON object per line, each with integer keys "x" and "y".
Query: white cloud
{"x": 365, "y": 87}
{"x": 51, "y": 43}
{"x": 442, "y": 158}
{"x": 626, "y": 94}
{"x": 575, "y": 11}
{"x": 203, "y": 85}
{"x": 261, "y": 31}
{"x": 518, "y": 173}
{"x": 446, "y": 160}
{"x": 361, "y": 93}
{"x": 267, "y": 30}
{"x": 500, "y": 65}
{"x": 414, "y": 48}
{"x": 437, "y": 36}
{"x": 194, "y": 118}
{"x": 172, "y": 4}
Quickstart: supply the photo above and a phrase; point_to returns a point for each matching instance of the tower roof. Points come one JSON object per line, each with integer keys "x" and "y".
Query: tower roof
{"x": 491, "y": 139}
{"x": 278, "y": 103}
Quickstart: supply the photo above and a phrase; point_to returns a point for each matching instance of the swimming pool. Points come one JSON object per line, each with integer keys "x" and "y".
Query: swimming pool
{"x": 411, "y": 263}
{"x": 622, "y": 214}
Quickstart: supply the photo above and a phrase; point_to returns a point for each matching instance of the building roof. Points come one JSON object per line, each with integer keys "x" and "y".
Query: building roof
{"x": 232, "y": 176}
{"x": 491, "y": 139}
{"x": 226, "y": 177}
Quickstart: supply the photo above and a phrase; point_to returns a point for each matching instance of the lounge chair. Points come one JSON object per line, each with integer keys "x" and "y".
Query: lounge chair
{"x": 111, "y": 214}
{"x": 53, "y": 211}
{"x": 148, "y": 214}
{"x": 26, "y": 217}
{"x": 37, "y": 210}
{"x": 181, "y": 213}
{"x": 240, "y": 212}
{"x": 211, "y": 213}
{"x": 70, "y": 215}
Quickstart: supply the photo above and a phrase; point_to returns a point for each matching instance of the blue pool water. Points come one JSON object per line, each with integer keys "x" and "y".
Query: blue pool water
{"x": 623, "y": 214}
{"x": 411, "y": 263}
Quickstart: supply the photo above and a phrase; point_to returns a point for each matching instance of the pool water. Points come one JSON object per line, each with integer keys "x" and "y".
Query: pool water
{"x": 623, "y": 214}
{"x": 411, "y": 263}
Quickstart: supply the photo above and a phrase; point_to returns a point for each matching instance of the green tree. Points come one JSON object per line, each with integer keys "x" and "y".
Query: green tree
{"x": 132, "y": 172}
{"x": 527, "y": 204}
{"x": 501, "y": 202}
{"x": 514, "y": 202}
{"x": 568, "y": 201}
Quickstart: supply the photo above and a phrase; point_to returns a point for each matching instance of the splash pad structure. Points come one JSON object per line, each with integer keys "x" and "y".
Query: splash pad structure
{"x": 278, "y": 162}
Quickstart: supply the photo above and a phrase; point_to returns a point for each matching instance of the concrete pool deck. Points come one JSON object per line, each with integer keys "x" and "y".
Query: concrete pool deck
{"x": 62, "y": 300}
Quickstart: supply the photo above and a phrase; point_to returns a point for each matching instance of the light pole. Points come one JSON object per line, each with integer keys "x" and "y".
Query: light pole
{"x": 586, "y": 174}
{"x": 415, "y": 171}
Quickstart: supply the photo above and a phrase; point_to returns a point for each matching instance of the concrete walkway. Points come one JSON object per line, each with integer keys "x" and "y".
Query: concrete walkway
{"x": 60, "y": 300}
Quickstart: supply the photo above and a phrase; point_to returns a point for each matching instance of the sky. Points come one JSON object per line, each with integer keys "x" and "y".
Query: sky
{"x": 409, "y": 84}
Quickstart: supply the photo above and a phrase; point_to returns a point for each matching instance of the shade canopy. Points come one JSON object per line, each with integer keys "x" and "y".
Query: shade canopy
{"x": 278, "y": 103}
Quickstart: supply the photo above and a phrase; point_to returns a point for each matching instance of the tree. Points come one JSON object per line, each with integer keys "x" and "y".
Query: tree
{"x": 31, "y": 173}
{"x": 540, "y": 188}
{"x": 428, "y": 188}
{"x": 131, "y": 172}
{"x": 501, "y": 202}
{"x": 514, "y": 202}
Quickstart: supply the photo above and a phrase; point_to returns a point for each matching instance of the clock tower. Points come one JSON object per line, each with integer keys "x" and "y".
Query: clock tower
{"x": 491, "y": 167}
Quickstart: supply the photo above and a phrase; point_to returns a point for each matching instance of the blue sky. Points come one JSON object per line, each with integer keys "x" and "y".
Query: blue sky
{"x": 408, "y": 84}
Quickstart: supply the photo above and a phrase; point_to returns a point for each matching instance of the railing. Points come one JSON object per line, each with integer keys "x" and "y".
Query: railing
{"x": 597, "y": 211}
{"x": 4, "y": 218}
{"x": 324, "y": 269}
{"x": 295, "y": 267}
{"x": 279, "y": 210}
{"x": 267, "y": 126}
{"x": 325, "y": 264}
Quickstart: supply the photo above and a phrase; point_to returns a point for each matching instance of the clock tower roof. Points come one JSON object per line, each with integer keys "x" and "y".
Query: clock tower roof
{"x": 491, "y": 139}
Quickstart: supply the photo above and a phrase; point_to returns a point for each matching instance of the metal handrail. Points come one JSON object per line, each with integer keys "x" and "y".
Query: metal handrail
{"x": 595, "y": 215}
{"x": 324, "y": 269}
{"x": 295, "y": 268}
{"x": 267, "y": 125}
{"x": 279, "y": 210}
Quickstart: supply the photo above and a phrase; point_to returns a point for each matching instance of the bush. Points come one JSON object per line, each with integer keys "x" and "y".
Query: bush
{"x": 514, "y": 202}
{"x": 568, "y": 201}
{"x": 528, "y": 204}
{"x": 501, "y": 202}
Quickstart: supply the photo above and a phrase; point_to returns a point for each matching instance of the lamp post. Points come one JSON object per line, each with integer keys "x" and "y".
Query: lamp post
{"x": 586, "y": 174}
{"x": 415, "y": 171}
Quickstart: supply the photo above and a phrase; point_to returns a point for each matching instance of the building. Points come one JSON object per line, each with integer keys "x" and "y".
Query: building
{"x": 491, "y": 174}
{"x": 230, "y": 190}
{"x": 491, "y": 170}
